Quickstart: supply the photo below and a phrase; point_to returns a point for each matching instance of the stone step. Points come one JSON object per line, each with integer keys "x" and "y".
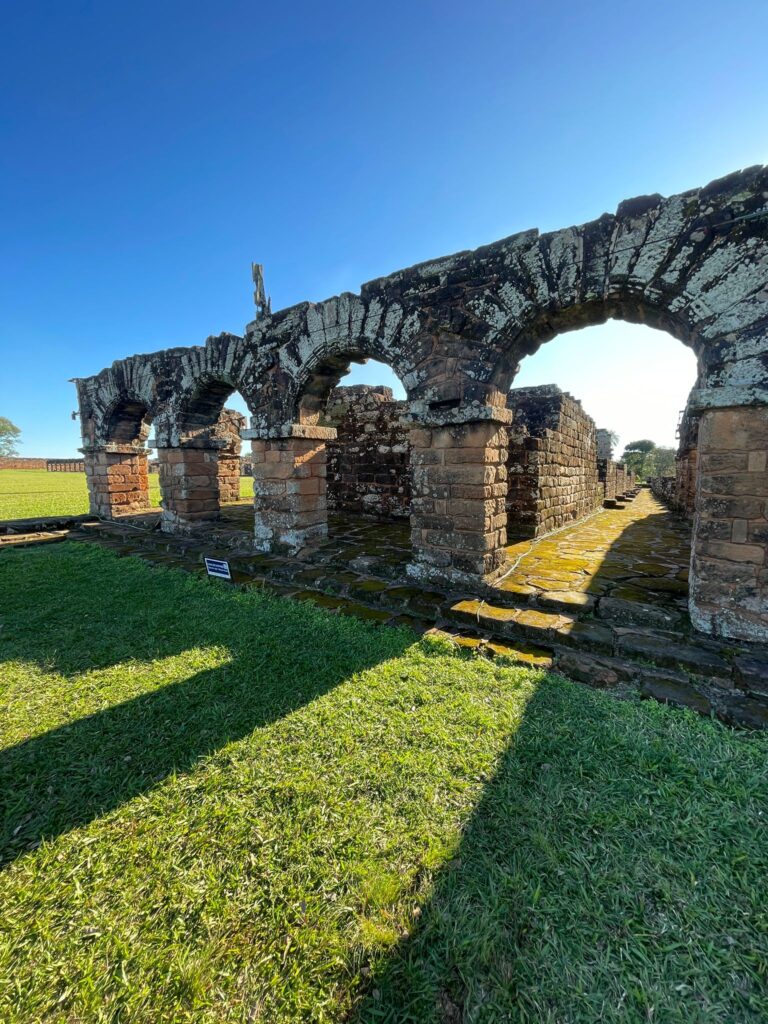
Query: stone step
{"x": 619, "y": 612}
{"x": 25, "y": 540}
{"x": 544, "y": 628}
{"x": 551, "y": 630}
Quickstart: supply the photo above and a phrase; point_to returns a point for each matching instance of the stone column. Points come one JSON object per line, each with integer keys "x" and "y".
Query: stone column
{"x": 116, "y": 475}
{"x": 289, "y": 486}
{"x": 458, "y": 509}
{"x": 189, "y": 483}
{"x": 729, "y": 563}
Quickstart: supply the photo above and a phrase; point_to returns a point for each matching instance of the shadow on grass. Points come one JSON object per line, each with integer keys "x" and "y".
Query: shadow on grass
{"x": 82, "y": 609}
{"x": 611, "y": 871}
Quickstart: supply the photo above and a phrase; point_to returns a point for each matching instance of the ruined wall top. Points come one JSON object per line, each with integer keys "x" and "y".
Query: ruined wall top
{"x": 455, "y": 329}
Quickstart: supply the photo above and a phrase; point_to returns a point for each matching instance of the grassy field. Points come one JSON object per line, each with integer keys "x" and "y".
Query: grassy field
{"x": 223, "y": 806}
{"x": 26, "y": 493}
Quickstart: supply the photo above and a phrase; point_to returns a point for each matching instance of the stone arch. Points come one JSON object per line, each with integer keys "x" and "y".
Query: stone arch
{"x": 323, "y": 371}
{"x": 305, "y": 350}
{"x": 199, "y": 454}
{"x": 127, "y": 421}
{"x": 196, "y": 410}
{"x": 116, "y": 456}
{"x": 454, "y": 329}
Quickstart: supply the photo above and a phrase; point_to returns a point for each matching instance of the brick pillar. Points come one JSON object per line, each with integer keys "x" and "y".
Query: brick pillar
{"x": 458, "y": 510}
{"x": 729, "y": 564}
{"x": 289, "y": 487}
{"x": 117, "y": 480}
{"x": 189, "y": 483}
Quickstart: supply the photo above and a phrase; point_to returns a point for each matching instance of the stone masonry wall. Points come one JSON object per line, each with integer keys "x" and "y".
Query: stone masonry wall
{"x": 686, "y": 465}
{"x": 368, "y": 463}
{"x": 664, "y": 487}
{"x": 729, "y": 576}
{"x": 65, "y": 465}
{"x": 12, "y": 462}
{"x": 552, "y": 464}
{"x": 289, "y": 490}
{"x": 189, "y": 486}
{"x": 606, "y": 473}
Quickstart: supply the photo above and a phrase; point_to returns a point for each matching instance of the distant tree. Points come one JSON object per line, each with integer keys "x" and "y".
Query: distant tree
{"x": 661, "y": 462}
{"x": 9, "y": 437}
{"x": 645, "y": 459}
{"x": 636, "y": 454}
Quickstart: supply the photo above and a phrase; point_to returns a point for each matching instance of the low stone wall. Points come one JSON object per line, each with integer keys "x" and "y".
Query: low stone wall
{"x": 369, "y": 462}
{"x": 11, "y": 462}
{"x": 664, "y": 487}
{"x": 65, "y": 465}
{"x": 552, "y": 465}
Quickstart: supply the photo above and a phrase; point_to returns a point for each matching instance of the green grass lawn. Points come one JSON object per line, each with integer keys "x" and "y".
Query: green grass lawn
{"x": 219, "y": 806}
{"x": 27, "y": 493}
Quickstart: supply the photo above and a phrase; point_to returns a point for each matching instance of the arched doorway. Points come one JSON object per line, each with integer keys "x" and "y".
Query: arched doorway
{"x": 117, "y": 469}
{"x": 200, "y": 462}
{"x": 595, "y": 414}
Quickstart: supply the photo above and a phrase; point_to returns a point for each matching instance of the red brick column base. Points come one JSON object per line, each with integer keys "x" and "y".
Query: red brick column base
{"x": 458, "y": 509}
{"x": 729, "y": 564}
{"x": 189, "y": 483}
{"x": 117, "y": 480}
{"x": 289, "y": 489}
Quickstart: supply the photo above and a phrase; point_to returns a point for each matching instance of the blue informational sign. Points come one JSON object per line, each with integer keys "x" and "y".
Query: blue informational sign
{"x": 218, "y": 567}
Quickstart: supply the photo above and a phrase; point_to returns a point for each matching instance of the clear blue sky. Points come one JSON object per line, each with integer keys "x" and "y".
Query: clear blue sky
{"x": 150, "y": 151}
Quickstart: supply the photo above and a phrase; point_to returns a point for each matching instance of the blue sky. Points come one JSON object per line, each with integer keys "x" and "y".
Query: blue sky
{"x": 150, "y": 151}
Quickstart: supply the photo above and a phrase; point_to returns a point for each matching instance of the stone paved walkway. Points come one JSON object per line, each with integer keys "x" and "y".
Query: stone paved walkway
{"x": 633, "y": 560}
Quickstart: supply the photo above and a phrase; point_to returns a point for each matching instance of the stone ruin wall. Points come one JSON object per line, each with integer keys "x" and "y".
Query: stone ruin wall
{"x": 664, "y": 487}
{"x": 615, "y": 480}
{"x": 195, "y": 480}
{"x": 679, "y": 491}
{"x": 686, "y": 465}
{"x": 454, "y": 329}
{"x": 369, "y": 462}
{"x": 228, "y": 430}
{"x": 14, "y": 462}
{"x": 65, "y": 465}
{"x": 607, "y": 475}
{"x": 552, "y": 464}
